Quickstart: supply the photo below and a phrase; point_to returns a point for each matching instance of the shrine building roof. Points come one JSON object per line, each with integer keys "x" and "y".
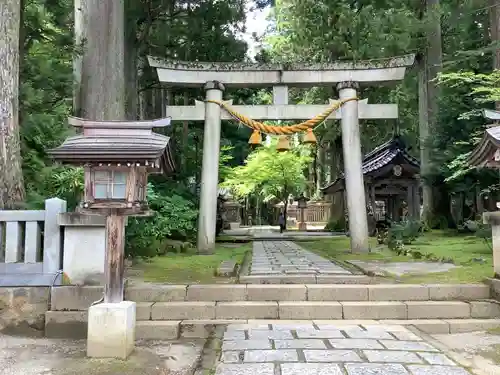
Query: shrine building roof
{"x": 393, "y": 151}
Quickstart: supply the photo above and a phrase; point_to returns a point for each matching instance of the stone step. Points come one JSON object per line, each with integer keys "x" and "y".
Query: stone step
{"x": 75, "y": 298}
{"x": 65, "y": 325}
{"x": 289, "y": 310}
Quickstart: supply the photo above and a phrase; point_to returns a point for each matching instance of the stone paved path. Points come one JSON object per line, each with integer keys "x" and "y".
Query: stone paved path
{"x": 288, "y": 258}
{"x": 324, "y": 349}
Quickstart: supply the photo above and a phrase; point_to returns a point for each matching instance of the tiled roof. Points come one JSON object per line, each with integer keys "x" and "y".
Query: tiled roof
{"x": 487, "y": 146}
{"x": 381, "y": 156}
{"x": 116, "y": 142}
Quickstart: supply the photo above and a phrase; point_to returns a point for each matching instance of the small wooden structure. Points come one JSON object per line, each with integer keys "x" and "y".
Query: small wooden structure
{"x": 487, "y": 155}
{"x": 391, "y": 175}
{"x": 117, "y": 157}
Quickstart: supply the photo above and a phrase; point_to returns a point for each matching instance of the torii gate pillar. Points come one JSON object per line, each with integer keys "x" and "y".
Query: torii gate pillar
{"x": 210, "y": 169}
{"x": 351, "y": 145}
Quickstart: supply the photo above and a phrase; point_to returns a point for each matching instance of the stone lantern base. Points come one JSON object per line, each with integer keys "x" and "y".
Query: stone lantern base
{"x": 111, "y": 330}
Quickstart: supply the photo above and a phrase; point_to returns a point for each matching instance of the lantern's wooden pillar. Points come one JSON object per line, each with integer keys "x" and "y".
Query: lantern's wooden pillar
{"x": 115, "y": 258}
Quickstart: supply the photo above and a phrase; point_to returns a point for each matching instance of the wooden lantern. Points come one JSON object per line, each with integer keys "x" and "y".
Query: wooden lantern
{"x": 117, "y": 157}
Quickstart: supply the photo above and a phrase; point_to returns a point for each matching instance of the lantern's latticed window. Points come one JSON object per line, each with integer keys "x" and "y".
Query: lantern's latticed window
{"x": 110, "y": 184}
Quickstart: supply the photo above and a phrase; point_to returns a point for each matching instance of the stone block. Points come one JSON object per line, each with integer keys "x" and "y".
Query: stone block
{"x": 471, "y": 325}
{"x": 437, "y": 370}
{"x": 227, "y": 268}
{"x": 256, "y": 344}
{"x": 375, "y": 368}
{"x": 409, "y": 346}
{"x": 66, "y": 324}
{"x": 261, "y": 356}
{"x": 229, "y": 357}
{"x": 183, "y": 310}
{"x": 22, "y": 310}
{"x": 143, "y": 310}
{"x": 310, "y": 369}
{"x": 278, "y": 279}
{"x": 338, "y": 324}
{"x": 300, "y": 344}
{"x": 391, "y": 356}
{"x": 310, "y": 310}
{"x": 218, "y": 292}
{"x": 268, "y": 334}
{"x": 465, "y": 292}
{"x": 75, "y": 298}
{"x": 276, "y": 293}
{"x": 246, "y": 310}
{"x": 244, "y": 369}
{"x": 398, "y": 293}
{"x": 111, "y": 330}
{"x": 484, "y": 309}
{"x": 355, "y": 344}
{"x": 318, "y": 333}
{"x": 204, "y": 328}
{"x": 331, "y": 356}
{"x": 430, "y": 326}
{"x": 157, "y": 330}
{"x": 341, "y": 279}
{"x": 374, "y": 310}
{"x": 437, "y": 309}
{"x": 156, "y": 293}
{"x": 323, "y": 292}
{"x": 437, "y": 359}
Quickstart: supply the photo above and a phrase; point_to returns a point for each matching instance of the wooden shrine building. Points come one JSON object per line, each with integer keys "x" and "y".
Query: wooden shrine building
{"x": 391, "y": 179}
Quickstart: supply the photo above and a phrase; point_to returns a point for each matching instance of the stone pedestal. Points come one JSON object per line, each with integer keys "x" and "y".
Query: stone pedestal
{"x": 84, "y": 248}
{"x": 111, "y": 330}
{"x": 493, "y": 218}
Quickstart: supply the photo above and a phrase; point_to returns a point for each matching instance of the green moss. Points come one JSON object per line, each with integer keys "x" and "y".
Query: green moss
{"x": 469, "y": 252}
{"x": 190, "y": 267}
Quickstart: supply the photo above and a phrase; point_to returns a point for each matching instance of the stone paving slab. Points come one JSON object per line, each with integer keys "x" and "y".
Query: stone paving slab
{"x": 286, "y": 258}
{"x": 331, "y": 349}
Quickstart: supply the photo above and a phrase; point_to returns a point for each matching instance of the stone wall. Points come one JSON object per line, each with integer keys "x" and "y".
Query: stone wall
{"x": 22, "y": 310}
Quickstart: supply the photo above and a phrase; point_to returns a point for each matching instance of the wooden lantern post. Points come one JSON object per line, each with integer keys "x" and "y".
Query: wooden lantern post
{"x": 302, "y": 205}
{"x": 117, "y": 157}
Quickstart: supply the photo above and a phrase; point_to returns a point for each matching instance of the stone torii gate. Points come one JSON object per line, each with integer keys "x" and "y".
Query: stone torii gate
{"x": 346, "y": 76}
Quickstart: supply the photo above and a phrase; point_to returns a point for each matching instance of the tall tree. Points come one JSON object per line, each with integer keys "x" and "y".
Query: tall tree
{"x": 102, "y": 83}
{"x": 430, "y": 65}
{"x": 495, "y": 36}
{"x": 12, "y": 192}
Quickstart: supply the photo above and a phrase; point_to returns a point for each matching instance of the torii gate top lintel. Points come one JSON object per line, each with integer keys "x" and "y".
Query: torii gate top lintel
{"x": 233, "y": 74}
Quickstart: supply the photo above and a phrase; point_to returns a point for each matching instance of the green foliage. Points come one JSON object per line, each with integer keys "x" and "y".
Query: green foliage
{"x": 403, "y": 233}
{"x": 174, "y": 218}
{"x": 270, "y": 174}
{"x": 336, "y": 225}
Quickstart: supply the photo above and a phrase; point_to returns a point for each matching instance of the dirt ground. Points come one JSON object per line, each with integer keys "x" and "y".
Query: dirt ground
{"x": 36, "y": 356}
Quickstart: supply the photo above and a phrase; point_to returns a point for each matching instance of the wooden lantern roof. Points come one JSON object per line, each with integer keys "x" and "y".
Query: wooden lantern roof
{"x": 117, "y": 142}
{"x": 486, "y": 151}
{"x": 376, "y": 162}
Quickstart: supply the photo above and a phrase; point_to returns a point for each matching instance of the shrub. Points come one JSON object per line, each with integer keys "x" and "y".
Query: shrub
{"x": 174, "y": 219}
{"x": 403, "y": 233}
{"x": 336, "y": 225}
